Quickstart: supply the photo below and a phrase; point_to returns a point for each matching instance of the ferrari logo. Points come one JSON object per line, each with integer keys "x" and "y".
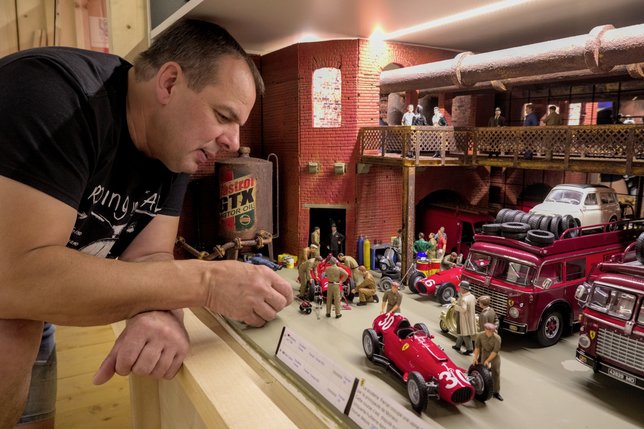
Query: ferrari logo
{"x": 405, "y": 347}
{"x": 592, "y": 334}
{"x": 510, "y": 303}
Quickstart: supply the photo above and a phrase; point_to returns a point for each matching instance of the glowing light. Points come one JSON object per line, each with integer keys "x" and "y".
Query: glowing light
{"x": 378, "y": 34}
{"x": 471, "y": 13}
{"x": 308, "y": 37}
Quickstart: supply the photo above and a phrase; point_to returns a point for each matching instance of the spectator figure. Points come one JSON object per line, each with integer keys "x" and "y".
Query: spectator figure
{"x": 441, "y": 242}
{"x": 392, "y": 299}
{"x": 449, "y": 261}
{"x": 466, "y": 308}
{"x": 367, "y": 288}
{"x": 628, "y": 120}
{"x": 497, "y": 120}
{"x": 336, "y": 277}
{"x": 419, "y": 118}
{"x": 335, "y": 241}
{"x": 433, "y": 246}
{"x": 421, "y": 246}
{"x": 531, "y": 119}
{"x": 488, "y": 347}
{"x": 438, "y": 120}
{"x": 552, "y": 117}
{"x": 397, "y": 243}
{"x": 408, "y": 117}
{"x": 487, "y": 314}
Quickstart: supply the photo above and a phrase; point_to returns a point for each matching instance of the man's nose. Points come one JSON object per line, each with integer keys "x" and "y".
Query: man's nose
{"x": 229, "y": 140}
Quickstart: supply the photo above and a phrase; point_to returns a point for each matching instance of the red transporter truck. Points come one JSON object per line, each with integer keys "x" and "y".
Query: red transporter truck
{"x": 533, "y": 288}
{"x": 611, "y": 337}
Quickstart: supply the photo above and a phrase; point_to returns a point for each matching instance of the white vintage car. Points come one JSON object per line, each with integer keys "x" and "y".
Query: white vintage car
{"x": 587, "y": 204}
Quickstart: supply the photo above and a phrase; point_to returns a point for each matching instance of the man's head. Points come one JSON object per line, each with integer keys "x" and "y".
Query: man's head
{"x": 436, "y": 110}
{"x": 333, "y": 261}
{"x": 193, "y": 88}
{"x": 395, "y": 286}
{"x": 464, "y": 286}
{"x": 497, "y": 111}
{"x": 484, "y": 301}
{"x": 421, "y": 236}
{"x": 316, "y": 229}
{"x": 454, "y": 255}
{"x": 489, "y": 329}
{"x": 362, "y": 269}
{"x": 341, "y": 256}
{"x": 552, "y": 109}
{"x": 333, "y": 228}
{"x": 529, "y": 108}
{"x": 410, "y": 108}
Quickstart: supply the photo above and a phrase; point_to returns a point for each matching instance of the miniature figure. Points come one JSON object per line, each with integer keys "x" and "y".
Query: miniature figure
{"x": 421, "y": 246}
{"x": 488, "y": 346}
{"x": 259, "y": 259}
{"x": 441, "y": 242}
{"x": 351, "y": 263}
{"x": 449, "y": 261}
{"x": 336, "y": 277}
{"x": 315, "y": 236}
{"x": 487, "y": 314}
{"x": 335, "y": 241}
{"x": 392, "y": 298}
{"x": 367, "y": 289}
{"x": 466, "y": 307}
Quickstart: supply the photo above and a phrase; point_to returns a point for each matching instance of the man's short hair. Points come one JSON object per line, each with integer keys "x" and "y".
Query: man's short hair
{"x": 489, "y": 326}
{"x": 333, "y": 261}
{"x": 498, "y": 109}
{"x": 552, "y": 107}
{"x": 395, "y": 284}
{"x": 197, "y": 47}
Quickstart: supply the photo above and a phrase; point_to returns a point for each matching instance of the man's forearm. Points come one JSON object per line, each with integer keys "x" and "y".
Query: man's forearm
{"x": 64, "y": 286}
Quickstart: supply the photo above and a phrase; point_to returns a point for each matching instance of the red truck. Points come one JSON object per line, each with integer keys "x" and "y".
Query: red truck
{"x": 533, "y": 286}
{"x": 611, "y": 337}
{"x": 461, "y": 224}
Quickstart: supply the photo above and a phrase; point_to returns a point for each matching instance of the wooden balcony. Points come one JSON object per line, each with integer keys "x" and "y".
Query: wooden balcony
{"x": 617, "y": 149}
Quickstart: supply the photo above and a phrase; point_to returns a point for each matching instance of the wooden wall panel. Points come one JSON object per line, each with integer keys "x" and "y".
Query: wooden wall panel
{"x": 8, "y": 35}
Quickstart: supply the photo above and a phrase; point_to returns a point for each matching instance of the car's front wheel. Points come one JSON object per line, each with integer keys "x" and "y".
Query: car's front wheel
{"x": 417, "y": 391}
{"x": 445, "y": 293}
{"x": 370, "y": 343}
{"x": 481, "y": 380}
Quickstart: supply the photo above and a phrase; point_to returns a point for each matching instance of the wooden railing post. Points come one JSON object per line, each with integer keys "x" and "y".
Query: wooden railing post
{"x": 630, "y": 151}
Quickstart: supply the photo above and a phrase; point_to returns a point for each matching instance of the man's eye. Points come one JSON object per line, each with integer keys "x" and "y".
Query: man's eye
{"x": 221, "y": 117}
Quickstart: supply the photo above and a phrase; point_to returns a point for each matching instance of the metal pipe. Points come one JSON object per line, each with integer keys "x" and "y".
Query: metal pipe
{"x": 599, "y": 51}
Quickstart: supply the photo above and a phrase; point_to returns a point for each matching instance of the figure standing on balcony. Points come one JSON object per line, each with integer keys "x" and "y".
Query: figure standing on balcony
{"x": 552, "y": 117}
{"x": 497, "y": 120}
{"x": 438, "y": 120}
{"x": 531, "y": 119}
{"x": 408, "y": 117}
{"x": 419, "y": 118}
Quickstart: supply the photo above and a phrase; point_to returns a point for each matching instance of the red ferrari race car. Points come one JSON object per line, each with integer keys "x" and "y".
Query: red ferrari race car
{"x": 409, "y": 352}
{"x": 443, "y": 284}
{"x": 319, "y": 283}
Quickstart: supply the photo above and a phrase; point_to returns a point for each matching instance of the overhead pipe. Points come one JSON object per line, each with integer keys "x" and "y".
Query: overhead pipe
{"x": 598, "y": 51}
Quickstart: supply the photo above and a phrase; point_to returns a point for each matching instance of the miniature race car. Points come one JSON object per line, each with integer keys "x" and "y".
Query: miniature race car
{"x": 319, "y": 283}
{"x": 409, "y": 352}
{"x": 443, "y": 284}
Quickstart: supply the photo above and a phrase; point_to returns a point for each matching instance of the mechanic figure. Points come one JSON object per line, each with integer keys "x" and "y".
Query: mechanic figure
{"x": 304, "y": 272}
{"x": 314, "y": 250}
{"x": 488, "y": 346}
{"x": 466, "y": 307}
{"x": 392, "y": 298}
{"x": 315, "y": 237}
{"x": 336, "y": 276}
{"x": 449, "y": 261}
{"x": 259, "y": 259}
{"x": 367, "y": 289}
{"x": 487, "y": 314}
{"x": 351, "y": 263}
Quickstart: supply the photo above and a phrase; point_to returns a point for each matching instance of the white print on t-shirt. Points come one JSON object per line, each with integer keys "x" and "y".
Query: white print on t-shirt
{"x": 120, "y": 205}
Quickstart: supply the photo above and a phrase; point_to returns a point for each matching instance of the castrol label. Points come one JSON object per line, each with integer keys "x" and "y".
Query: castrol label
{"x": 237, "y": 196}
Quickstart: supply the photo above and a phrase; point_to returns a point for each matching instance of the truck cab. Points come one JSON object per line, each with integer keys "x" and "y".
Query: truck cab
{"x": 611, "y": 336}
{"x": 533, "y": 287}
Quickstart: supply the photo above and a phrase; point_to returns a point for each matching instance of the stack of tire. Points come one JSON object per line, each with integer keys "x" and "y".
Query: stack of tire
{"x": 535, "y": 229}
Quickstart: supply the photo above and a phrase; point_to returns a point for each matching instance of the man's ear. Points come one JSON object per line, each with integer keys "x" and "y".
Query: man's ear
{"x": 167, "y": 77}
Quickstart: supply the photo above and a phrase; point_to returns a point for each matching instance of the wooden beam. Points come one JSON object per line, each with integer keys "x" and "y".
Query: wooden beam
{"x": 408, "y": 216}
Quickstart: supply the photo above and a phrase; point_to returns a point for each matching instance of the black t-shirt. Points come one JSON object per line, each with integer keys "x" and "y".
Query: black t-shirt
{"x": 63, "y": 131}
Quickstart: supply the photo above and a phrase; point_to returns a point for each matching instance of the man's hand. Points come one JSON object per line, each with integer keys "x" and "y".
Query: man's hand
{"x": 154, "y": 343}
{"x": 253, "y": 294}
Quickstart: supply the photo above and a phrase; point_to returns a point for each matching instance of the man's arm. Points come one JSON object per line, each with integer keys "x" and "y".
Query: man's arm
{"x": 41, "y": 279}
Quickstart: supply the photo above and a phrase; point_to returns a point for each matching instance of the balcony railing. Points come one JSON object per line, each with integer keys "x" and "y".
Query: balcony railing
{"x": 610, "y": 142}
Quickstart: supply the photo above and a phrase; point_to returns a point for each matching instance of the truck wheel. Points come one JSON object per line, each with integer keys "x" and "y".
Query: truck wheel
{"x": 491, "y": 228}
{"x": 515, "y": 227}
{"x": 509, "y": 216}
{"x": 413, "y": 279}
{"x": 550, "y": 328}
{"x": 385, "y": 283}
{"x": 500, "y": 215}
{"x": 568, "y": 221}
{"x": 554, "y": 226}
{"x": 445, "y": 293}
{"x": 612, "y": 226}
{"x": 534, "y": 221}
{"x": 481, "y": 380}
{"x": 541, "y": 237}
{"x": 422, "y": 327}
{"x": 370, "y": 343}
{"x": 417, "y": 391}
{"x": 545, "y": 223}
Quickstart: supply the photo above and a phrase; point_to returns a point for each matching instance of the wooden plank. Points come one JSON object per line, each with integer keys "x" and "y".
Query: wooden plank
{"x": 8, "y": 28}
{"x": 128, "y": 25}
{"x": 31, "y": 19}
